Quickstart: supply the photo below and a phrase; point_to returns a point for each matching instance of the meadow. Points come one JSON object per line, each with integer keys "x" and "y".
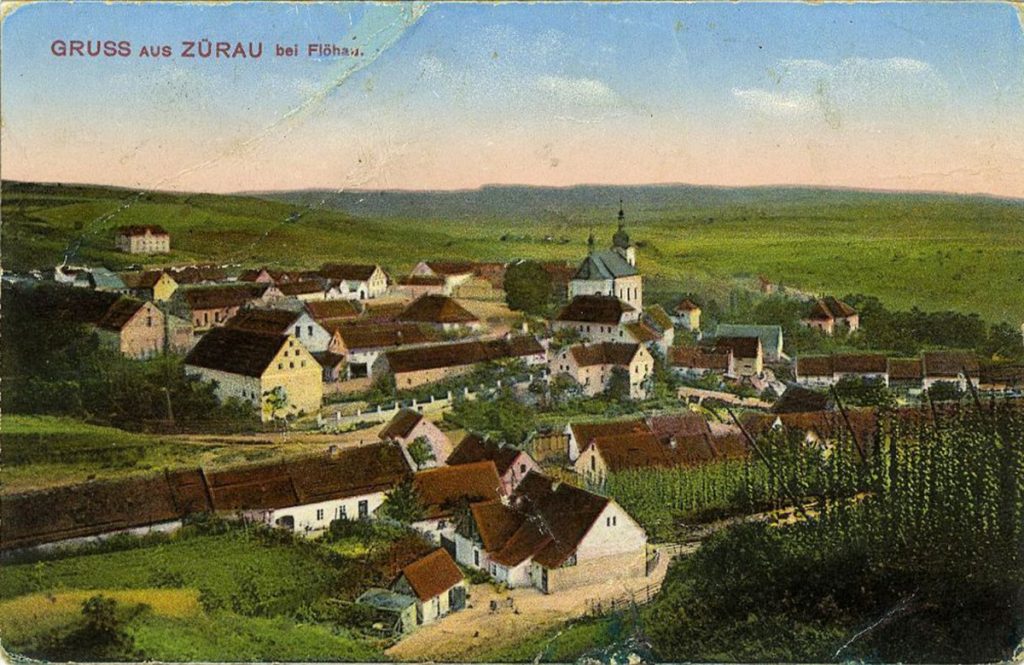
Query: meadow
{"x": 936, "y": 252}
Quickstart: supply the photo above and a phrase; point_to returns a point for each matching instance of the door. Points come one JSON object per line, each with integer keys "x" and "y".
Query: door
{"x": 544, "y": 579}
{"x": 449, "y": 545}
{"x": 456, "y": 598}
{"x": 364, "y": 510}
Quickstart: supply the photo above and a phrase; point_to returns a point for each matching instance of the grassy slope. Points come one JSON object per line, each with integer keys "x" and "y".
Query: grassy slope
{"x": 175, "y": 627}
{"x": 936, "y": 252}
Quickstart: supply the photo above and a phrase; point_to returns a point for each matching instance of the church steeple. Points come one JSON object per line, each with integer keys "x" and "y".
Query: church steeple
{"x": 590, "y": 243}
{"x": 621, "y": 239}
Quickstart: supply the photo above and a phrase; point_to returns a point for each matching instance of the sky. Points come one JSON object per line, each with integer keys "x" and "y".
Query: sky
{"x": 911, "y": 96}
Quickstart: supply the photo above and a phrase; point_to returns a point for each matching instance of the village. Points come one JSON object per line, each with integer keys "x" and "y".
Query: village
{"x": 372, "y": 365}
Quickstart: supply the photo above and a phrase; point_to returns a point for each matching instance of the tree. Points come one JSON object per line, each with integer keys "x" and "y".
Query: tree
{"x": 421, "y": 451}
{"x": 504, "y": 417}
{"x": 618, "y": 385}
{"x": 403, "y": 504}
{"x": 855, "y": 391}
{"x": 528, "y": 288}
{"x": 100, "y": 635}
{"x": 275, "y": 401}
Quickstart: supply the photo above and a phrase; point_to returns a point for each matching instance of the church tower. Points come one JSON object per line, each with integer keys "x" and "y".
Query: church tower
{"x": 620, "y": 241}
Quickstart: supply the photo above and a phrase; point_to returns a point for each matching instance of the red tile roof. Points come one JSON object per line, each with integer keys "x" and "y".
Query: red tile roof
{"x": 236, "y": 351}
{"x": 595, "y": 309}
{"x": 461, "y": 354}
{"x": 141, "y": 230}
{"x": 686, "y": 305}
{"x": 120, "y": 313}
{"x": 949, "y": 364}
{"x": 473, "y": 448}
{"x": 436, "y": 308}
{"x": 359, "y": 335}
{"x": 696, "y": 358}
{"x": 443, "y": 489}
{"x": 741, "y": 347}
{"x": 432, "y": 575}
{"x": 604, "y": 353}
{"x": 401, "y": 425}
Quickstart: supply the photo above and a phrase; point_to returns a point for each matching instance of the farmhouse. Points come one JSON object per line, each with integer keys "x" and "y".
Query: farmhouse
{"x": 414, "y": 286}
{"x": 446, "y": 490}
{"x": 905, "y": 373}
{"x": 612, "y": 272}
{"x": 696, "y": 362}
{"x": 143, "y": 239}
{"x": 362, "y": 344}
{"x": 436, "y": 583}
{"x": 511, "y": 463}
{"x": 407, "y": 426}
{"x": 468, "y": 280}
{"x": 687, "y": 315}
{"x": 283, "y": 322}
{"x": 440, "y": 312}
{"x": 333, "y": 313}
{"x": 211, "y": 306}
{"x": 830, "y": 314}
{"x": 829, "y": 370}
{"x": 197, "y": 275}
{"x": 420, "y": 366}
{"x": 593, "y": 366}
{"x": 155, "y": 285}
{"x": 957, "y": 367}
{"x": 306, "y": 494}
{"x": 578, "y": 435}
{"x": 597, "y": 318}
{"x": 552, "y": 536}
{"x": 748, "y": 358}
{"x": 362, "y": 281}
{"x": 770, "y": 336}
{"x": 257, "y": 368}
{"x": 134, "y": 327}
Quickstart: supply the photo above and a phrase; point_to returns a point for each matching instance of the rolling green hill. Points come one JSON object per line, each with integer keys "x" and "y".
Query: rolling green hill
{"x": 931, "y": 251}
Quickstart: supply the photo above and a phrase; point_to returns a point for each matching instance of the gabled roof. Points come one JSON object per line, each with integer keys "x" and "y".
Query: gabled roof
{"x": 770, "y": 335}
{"x": 607, "y": 264}
{"x": 604, "y": 353}
{"x": 584, "y": 432}
{"x": 332, "y": 310}
{"x": 120, "y": 313}
{"x": 674, "y": 425}
{"x": 461, "y": 353}
{"x": 642, "y": 332}
{"x": 949, "y": 364}
{"x": 141, "y": 230}
{"x": 697, "y": 358}
{"x": 236, "y": 351}
{"x": 270, "y": 321}
{"x": 351, "y": 272}
{"x": 298, "y": 288}
{"x": 451, "y": 268}
{"x": 631, "y": 451}
{"x": 358, "y": 335}
{"x": 221, "y": 296}
{"x": 833, "y": 308}
{"x": 741, "y": 347}
{"x": 567, "y": 514}
{"x": 658, "y": 317}
{"x": 595, "y": 309}
{"x": 432, "y": 575}
{"x": 797, "y": 399}
{"x": 904, "y": 369}
{"x": 474, "y": 448}
{"x": 436, "y": 308}
{"x": 90, "y": 509}
{"x": 686, "y": 305}
{"x": 442, "y": 489}
{"x": 495, "y": 523}
{"x": 142, "y": 280}
{"x": 401, "y": 425}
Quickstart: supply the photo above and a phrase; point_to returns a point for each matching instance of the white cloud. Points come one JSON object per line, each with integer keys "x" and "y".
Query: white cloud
{"x": 578, "y": 91}
{"x": 774, "y": 103}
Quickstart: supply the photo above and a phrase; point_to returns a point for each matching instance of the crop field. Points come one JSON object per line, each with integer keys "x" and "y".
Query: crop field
{"x": 930, "y": 251}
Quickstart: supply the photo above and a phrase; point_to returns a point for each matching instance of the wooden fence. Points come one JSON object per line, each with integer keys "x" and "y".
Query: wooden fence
{"x": 622, "y": 602}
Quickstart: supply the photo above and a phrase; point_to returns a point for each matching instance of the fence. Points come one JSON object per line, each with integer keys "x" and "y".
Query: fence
{"x": 602, "y": 606}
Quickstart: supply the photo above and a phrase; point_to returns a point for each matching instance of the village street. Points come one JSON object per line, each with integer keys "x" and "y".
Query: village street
{"x": 459, "y": 636}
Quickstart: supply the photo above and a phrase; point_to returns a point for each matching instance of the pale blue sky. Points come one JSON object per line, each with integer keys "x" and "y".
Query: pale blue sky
{"x": 912, "y": 95}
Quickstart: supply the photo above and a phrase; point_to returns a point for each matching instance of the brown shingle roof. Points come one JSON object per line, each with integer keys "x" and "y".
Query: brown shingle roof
{"x": 236, "y": 351}
{"x": 359, "y": 335}
{"x": 197, "y": 274}
{"x": 473, "y": 448}
{"x": 332, "y": 310}
{"x": 595, "y": 309}
{"x": 567, "y": 513}
{"x": 401, "y": 425}
{"x": 666, "y": 426}
{"x": 642, "y": 332}
{"x": 697, "y": 358}
{"x": 585, "y": 432}
{"x": 299, "y": 288}
{"x": 141, "y": 230}
{"x": 685, "y": 306}
{"x": 354, "y": 272}
{"x": 495, "y": 523}
{"x": 741, "y": 347}
{"x": 451, "y": 267}
{"x": 604, "y": 353}
{"x": 422, "y": 280}
{"x": 141, "y": 280}
{"x": 949, "y": 364}
{"x": 656, "y": 315}
{"x": 217, "y": 297}
{"x": 632, "y": 451}
{"x": 461, "y": 354}
{"x": 432, "y": 575}
{"x": 442, "y": 489}
{"x": 268, "y": 321}
{"x": 119, "y": 314}
{"x": 436, "y": 308}
{"x": 860, "y": 363}
{"x": 814, "y": 366}
{"x": 801, "y": 400}
{"x": 904, "y": 369}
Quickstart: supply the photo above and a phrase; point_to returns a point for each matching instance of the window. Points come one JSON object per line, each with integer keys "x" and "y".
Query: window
{"x": 280, "y": 365}
{"x": 319, "y": 514}
{"x": 441, "y": 524}
{"x": 291, "y": 365}
{"x": 610, "y": 521}
{"x": 522, "y": 468}
{"x": 364, "y": 509}
{"x": 476, "y": 558}
{"x": 298, "y": 331}
{"x": 343, "y": 512}
{"x": 149, "y": 321}
{"x": 593, "y": 463}
{"x": 309, "y": 330}
{"x": 291, "y": 342}
{"x": 302, "y": 363}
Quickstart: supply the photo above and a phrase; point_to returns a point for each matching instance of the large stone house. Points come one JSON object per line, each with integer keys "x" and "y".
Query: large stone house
{"x": 135, "y": 328}
{"x": 552, "y": 536}
{"x": 257, "y": 368}
{"x": 143, "y": 239}
{"x": 830, "y": 314}
{"x": 209, "y": 307}
{"x": 299, "y": 324}
{"x": 612, "y": 272}
{"x": 420, "y": 366}
{"x": 597, "y": 318}
{"x": 747, "y": 354}
{"x": 407, "y": 426}
{"x": 511, "y": 463}
{"x": 593, "y": 366}
{"x": 362, "y": 281}
{"x": 436, "y": 583}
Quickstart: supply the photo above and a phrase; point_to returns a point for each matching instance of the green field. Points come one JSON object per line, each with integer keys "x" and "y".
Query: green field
{"x": 936, "y": 252}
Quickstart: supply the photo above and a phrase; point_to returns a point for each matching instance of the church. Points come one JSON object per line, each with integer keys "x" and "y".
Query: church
{"x": 610, "y": 272}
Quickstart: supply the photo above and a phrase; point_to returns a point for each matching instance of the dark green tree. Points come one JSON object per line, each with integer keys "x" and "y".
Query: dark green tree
{"x": 403, "y": 504}
{"x": 421, "y": 451}
{"x": 528, "y": 288}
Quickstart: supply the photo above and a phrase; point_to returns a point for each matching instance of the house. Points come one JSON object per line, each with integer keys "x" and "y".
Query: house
{"x": 198, "y": 275}
{"x": 552, "y": 536}
{"x": 1001, "y": 376}
{"x": 422, "y": 365}
{"x": 414, "y": 286}
{"x": 829, "y": 314}
{"x": 299, "y": 324}
{"x": 211, "y": 306}
{"x": 440, "y": 312}
{"x": 396, "y": 612}
{"x": 155, "y": 285}
{"x": 362, "y": 344}
{"x": 436, "y": 583}
{"x": 612, "y": 272}
{"x": 143, "y": 239}
{"x": 602, "y": 456}
{"x": 407, "y": 426}
{"x": 333, "y": 313}
{"x": 310, "y": 290}
{"x": 73, "y": 514}
{"x": 770, "y": 336}
{"x": 454, "y": 273}
{"x": 578, "y": 435}
{"x": 259, "y": 368}
{"x": 747, "y": 354}
{"x": 656, "y": 318}
{"x": 815, "y": 426}
{"x": 957, "y": 367}
{"x": 592, "y": 366}
{"x": 695, "y": 362}
{"x": 829, "y": 370}
{"x": 103, "y": 279}
{"x": 467, "y": 280}
{"x": 905, "y": 373}
{"x": 687, "y": 315}
{"x": 363, "y": 281}
{"x": 511, "y": 463}
{"x": 597, "y": 318}
{"x": 134, "y": 327}
{"x": 306, "y": 494}
{"x": 446, "y": 491}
